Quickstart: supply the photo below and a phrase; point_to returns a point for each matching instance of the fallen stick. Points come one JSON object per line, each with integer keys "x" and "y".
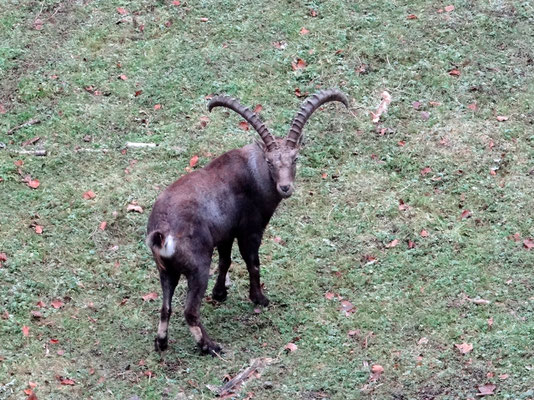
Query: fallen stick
{"x": 256, "y": 366}
{"x": 139, "y": 145}
{"x": 39, "y": 153}
{"x": 24, "y": 125}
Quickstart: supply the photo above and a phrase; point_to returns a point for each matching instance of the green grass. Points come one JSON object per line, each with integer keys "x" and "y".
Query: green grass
{"x": 331, "y": 228}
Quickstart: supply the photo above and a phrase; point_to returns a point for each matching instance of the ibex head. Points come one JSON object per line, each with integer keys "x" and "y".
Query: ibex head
{"x": 281, "y": 153}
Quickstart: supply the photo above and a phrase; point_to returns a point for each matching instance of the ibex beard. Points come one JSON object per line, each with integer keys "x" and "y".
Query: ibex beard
{"x": 233, "y": 197}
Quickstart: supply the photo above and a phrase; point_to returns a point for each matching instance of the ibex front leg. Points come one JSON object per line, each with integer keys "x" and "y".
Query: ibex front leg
{"x": 248, "y": 247}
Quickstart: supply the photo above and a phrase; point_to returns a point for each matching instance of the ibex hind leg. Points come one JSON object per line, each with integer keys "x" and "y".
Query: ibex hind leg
{"x": 197, "y": 282}
{"x": 168, "y": 282}
{"x": 220, "y": 291}
{"x": 248, "y": 247}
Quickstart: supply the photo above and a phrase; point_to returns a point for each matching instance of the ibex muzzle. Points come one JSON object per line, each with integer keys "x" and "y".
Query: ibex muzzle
{"x": 233, "y": 197}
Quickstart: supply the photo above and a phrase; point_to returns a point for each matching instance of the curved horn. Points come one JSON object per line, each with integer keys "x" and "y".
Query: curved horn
{"x": 251, "y": 117}
{"x": 306, "y": 110}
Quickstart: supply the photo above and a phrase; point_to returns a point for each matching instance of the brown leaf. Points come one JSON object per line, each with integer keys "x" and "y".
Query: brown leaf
{"x": 411, "y": 244}
{"x": 57, "y": 303}
{"x": 464, "y": 348}
{"x": 454, "y": 72}
{"x": 501, "y": 118}
{"x": 123, "y": 77}
{"x": 424, "y": 233}
{"x": 36, "y": 314}
{"x": 54, "y": 341}
{"x": 2, "y": 109}
{"x": 411, "y": 16}
{"x": 244, "y": 125}
{"x": 135, "y": 208}
{"x": 193, "y": 161}
{"x": 89, "y": 195}
{"x": 528, "y": 244}
{"x": 291, "y": 347}
{"x": 122, "y": 11}
{"x": 449, "y": 8}
{"x": 26, "y": 331}
{"x": 41, "y": 304}
{"x": 103, "y": 225}
{"x": 150, "y": 296}
{"x": 422, "y": 341}
{"x": 426, "y": 170}
{"x": 403, "y": 206}
{"x": 376, "y": 372}
{"x": 31, "y": 141}
{"x": 392, "y": 244}
{"x": 38, "y": 229}
{"x": 176, "y": 3}
{"x": 204, "y": 19}
{"x": 504, "y": 376}
{"x": 3, "y": 257}
{"x": 66, "y": 381}
{"x": 38, "y": 24}
{"x": 472, "y": 106}
{"x": 157, "y": 106}
{"x": 313, "y": 13}
{"x": 33, "y": 183}
{"x": 329, "y": 295}
{"x": 490, "y": 322}
{"x": 298, "y": 64}
{"x": 347, "y": 307}
{"x": 486, "y": 390}
{"x": 138, "y": 93}
{"x": 304, "y": 31}
{"x": 258, "y": 108}
{"x": 281, "y": 45}
{"x": 465, "y": 214}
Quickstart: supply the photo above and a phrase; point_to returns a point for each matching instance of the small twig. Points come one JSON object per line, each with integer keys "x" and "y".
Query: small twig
{"x": 139, "y": 145}
{"x": 38, "y": 153}
{"x": 24, "y": 125}
{"x": 219, "y": 356}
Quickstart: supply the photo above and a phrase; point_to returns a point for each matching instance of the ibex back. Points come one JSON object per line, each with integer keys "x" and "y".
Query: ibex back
{"x": 233, "y": 197}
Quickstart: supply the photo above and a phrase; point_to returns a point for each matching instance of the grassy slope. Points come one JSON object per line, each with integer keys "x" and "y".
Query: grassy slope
{"x": 330, "y": 227}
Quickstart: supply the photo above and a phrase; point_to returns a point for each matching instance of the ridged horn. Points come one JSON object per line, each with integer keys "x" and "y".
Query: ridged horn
{"x": 311, "y": 104}
{"x": 251, "y": 117}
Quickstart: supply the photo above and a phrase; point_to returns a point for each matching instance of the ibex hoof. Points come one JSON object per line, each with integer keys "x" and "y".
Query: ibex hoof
{"x": 210, "y": 348}
{"x": 219, "y": 295}
{"x": 161, "y": 344}
{"x": 260, "y": 300}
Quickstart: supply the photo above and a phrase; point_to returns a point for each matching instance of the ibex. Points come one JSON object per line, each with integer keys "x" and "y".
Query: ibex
{"x": 234, "y": 196}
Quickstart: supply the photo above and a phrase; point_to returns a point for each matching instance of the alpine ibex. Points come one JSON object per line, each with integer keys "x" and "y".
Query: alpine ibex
{"x": 234, "y": 196}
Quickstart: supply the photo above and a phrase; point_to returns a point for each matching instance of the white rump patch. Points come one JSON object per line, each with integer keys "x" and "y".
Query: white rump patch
{"x": 168, "y": 248}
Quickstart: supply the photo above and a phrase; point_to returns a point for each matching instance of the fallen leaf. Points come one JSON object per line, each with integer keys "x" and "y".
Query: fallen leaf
{"x": 258, "y": 108}
{"x": 2, "y": 109}
{"x": 298, "y": 64}
{"x": 528, "y": 243}
{"x": 123, "y": 77}
{"x": 449, "y": 8}
{"x": 347, "y": 307}
{"x": 472, "y": 106}
{"x": 38, "y": 229}
{"x": 193, "y": 161}
{"x": 353, "y": 332}
{"x": 26, "y": 331}
{"x": 244, "y": 125}
{"x": 411, "y": 244}
{"x": 426, "y": 170}
{"x": 465, "y": 214}
{"x": 304, "y": 31}
{"x": 41, "y": 304}
{"x": 176, "y": 3}
{"x": 490, "y": 322}
{"x": 501, "y": 118}
{"x": 122, "y": 11}
{"x": 33, "y": 183}
{"x": 504, "y": 376}
{"x": 28, "y": 392}
{"x": 89, "y": 195}
{"x": 464, "y": 348}
{"x": 392, "y": 244}
{"x": 57, "y": 303}
{"x": 382, "y": 107}
{"x": 454, "y": 72}
{"x": 424, "y": 233}
{"x": 411, "y": 16}
{"x": 66, "y": 381}
{"x": 150, "y": 374}
{"x": 157, "y": 106}
{"x": 313, "y": 13}
{"x": 168, "y": 23}
{"x": 135, "y": 208}
{"x": 416, "y": 105}
{"x": 516, "y": 237}
{"x": 38, "y": 24}
{"x": 3, "y": 257}
{"x": 422, "y": 341}
{"x": 31, "y": 141}
{"x": 281, "y": 45}
{"x": 54, "y": 341}
{"x": 425, "y": 115}
{"x": 434, "y": 103}
{"x": 150, "y": 296}
{"x": 18, "y": 163}
{"x": 403, "y": 206}
{"x": 103, "y": 225}
{"x": 32, "y": 397}
{"x": 138, "y": 93}
{"x": 486, "y": 390}
{"x": 36, "y": 314}
{"x": 329, "y": 295}
{"x": 401, "y": 143}
{"x": 204, "y": 19}
{"x": 376, "y": 371}
{"x": 291, "y": 347}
